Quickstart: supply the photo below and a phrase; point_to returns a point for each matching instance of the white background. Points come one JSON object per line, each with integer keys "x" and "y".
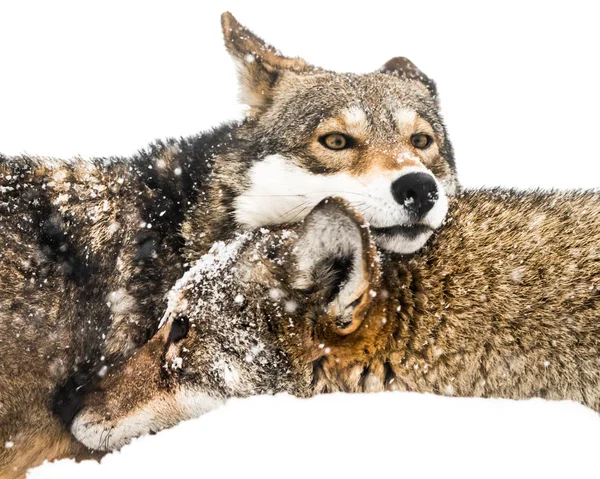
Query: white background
{"x": 519, "y": 89}
{"x": 518, "y": 80}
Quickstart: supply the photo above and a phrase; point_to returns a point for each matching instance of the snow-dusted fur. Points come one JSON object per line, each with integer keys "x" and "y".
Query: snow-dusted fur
{"x": 503, "y": 303}
{"x": 91, "y": 247}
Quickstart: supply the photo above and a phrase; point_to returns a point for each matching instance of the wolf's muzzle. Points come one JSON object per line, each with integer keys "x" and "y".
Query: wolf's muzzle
{"x": 417, "y": 192}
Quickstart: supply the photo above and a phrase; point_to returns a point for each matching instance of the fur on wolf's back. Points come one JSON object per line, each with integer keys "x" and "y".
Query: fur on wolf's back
{"x": 89, "y": 249}
{"x": 505, "y": 301}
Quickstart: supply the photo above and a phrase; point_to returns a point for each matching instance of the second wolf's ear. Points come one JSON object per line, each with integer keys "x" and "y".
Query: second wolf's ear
{"x": 335, "y": 259}
{"x": 403, "y": 68}
{"x": 259, "y": 63}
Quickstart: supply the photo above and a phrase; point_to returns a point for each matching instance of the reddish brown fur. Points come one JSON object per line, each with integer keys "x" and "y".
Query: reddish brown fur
{"x": 504, "y": 303}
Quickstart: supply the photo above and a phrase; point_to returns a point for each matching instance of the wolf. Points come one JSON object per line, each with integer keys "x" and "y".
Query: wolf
{"x": 377, "y": 140}
{"x": 503, "y": 302}
{"x": 91, "y": 247}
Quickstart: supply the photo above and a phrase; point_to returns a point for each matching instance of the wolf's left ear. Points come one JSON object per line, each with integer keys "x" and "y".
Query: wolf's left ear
{"x": 259, "y": 63}
{"x": 403, "y": 68}
{"x": 335, "y": 259}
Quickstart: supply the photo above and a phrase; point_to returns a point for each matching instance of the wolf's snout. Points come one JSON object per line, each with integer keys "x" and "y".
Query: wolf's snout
{"x": 417, "y": 192}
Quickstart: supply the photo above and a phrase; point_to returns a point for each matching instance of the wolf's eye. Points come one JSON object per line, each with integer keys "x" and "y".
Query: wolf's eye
{"x": 421, "y": 141}
{"x": 335, "y": 141}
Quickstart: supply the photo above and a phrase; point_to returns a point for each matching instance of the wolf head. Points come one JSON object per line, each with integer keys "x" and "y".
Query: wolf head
{"x": 376, "y": 140}
{"x": 254, "y": 316}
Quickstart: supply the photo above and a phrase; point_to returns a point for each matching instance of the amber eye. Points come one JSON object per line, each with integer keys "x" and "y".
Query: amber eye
{"x": 335, "y": 141}
{"x": 421, "y": 141}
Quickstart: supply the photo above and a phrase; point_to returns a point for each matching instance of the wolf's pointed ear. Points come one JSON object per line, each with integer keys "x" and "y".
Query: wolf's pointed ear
{"x": 337, "y": 260}
{"x": 403, "y": 68}
{"x": 259, "y": 63}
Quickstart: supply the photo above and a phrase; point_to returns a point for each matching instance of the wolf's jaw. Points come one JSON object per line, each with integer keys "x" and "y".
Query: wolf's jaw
{"x": 98, "y": 433}
{"x": 402, "y": 243}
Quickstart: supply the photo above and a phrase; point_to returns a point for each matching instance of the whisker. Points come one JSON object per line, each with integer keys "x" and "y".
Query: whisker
{"x": 300, "y": 213}
{"x": 358, "y": 179}
{"x": 305, "y": 204}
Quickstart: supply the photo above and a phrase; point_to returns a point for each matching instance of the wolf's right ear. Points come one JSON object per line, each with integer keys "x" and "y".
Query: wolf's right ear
{"x": 402, "y": 67}
{"x": 335, "y": 259}
{"x": 259, "y": 63}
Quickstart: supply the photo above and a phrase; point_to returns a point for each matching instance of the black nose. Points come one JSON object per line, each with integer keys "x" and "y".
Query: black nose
{"x": 417, "y": 192}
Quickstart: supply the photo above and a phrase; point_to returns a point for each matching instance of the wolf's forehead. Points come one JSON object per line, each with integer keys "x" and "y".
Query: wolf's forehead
{"x": 373, "y": 90}
{"x": 377, "y": 100}
{"x": 208, "y": 279}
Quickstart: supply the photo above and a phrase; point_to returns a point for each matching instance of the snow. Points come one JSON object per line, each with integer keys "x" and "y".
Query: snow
{"x": 211, "y": 265}
{"x": 520, "y": 98}
{"x": 362, "y": 435}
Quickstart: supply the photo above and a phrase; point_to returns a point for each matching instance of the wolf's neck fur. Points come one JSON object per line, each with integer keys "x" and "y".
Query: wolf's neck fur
{"x": 504, "y": 302}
